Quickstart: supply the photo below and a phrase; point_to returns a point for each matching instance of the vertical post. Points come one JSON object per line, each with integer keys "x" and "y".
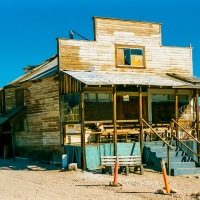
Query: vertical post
{"x": 176, "y": 113}
{"x": 197, "y": 122}
{"x": 115, "y": 120}
{"x": 140, "y": 118}
{"x": 172, "y": 130}
{"x": 13, "y": 142}
{"x": 168, "y": 160}
{"x": 83, "y": 130}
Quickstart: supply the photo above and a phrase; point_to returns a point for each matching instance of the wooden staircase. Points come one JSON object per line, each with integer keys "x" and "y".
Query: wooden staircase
{"x": 181, "y": 162}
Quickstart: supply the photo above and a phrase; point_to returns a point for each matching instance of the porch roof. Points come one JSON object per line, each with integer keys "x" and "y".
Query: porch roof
{"x": 129, "y": 78}
{"x": 12, "y": 113}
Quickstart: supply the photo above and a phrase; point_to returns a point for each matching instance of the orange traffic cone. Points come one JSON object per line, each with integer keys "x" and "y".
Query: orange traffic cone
{"x": 116, "y": 171}
{"x": 165, "y": 176}
{"x": 115, "y": 182}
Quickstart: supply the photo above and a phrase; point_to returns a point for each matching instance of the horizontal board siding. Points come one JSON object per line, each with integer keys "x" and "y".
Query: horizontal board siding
{"x": 101, "y": 57}
{"x": 100, "y": 54}
{"x": 10, "y": 101}
{"x": 42, "y": 103}
{"x": 122, "y": 29}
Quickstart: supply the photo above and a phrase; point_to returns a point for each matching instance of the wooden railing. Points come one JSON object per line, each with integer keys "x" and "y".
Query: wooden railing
{"x": 187, "y": 147}
{"x": 169, "y": 147}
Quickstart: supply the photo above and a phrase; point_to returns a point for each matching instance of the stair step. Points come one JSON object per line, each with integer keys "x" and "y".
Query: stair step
{"x": 176, "y": 159}
{"x": 185, "y": 171}
{"x": 183, "y": 165}
{"x": 162, "y": 149}
{"x": 155, "y": 143}
{"x": 172, "y": 153}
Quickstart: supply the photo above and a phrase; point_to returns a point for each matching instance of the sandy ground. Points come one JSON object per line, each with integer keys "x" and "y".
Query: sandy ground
{"x": 22, "y": 179}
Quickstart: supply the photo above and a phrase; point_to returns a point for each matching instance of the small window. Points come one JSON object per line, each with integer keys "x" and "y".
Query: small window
{"x": 98, "y": 97}
{"x": 130, "y": 56}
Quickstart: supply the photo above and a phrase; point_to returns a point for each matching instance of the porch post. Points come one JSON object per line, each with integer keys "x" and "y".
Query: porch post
{"x": 140, "y": 118}
{"x": 114, "y": 120}
{"x": 176, "y": 111}
{"x": 83, "y": 130}
{"x": 197, "y": 122}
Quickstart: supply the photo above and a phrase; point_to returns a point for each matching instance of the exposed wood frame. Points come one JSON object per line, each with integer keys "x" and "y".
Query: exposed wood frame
{"x": 98, "y": 88}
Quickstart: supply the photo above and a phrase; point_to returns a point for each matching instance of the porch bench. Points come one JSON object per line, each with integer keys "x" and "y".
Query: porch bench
{"x": 127, "y": 162}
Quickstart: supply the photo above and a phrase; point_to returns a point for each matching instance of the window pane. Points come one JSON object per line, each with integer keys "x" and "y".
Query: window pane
{"x": 127, "y": 53}
{"x": 136, "y": 52}
{"x": 130, "y": 56}
{"x": 104, "y": 97}
{"x": 160, "y": 97}
{"x": 92, "y": 97}
{"x": 120, "y": 57}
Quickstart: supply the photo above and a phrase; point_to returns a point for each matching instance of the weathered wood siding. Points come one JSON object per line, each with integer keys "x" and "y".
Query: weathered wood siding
{"x": 100, "y": 54}
{"x": 10, "y": 100}
{"x": 42, "y": 103}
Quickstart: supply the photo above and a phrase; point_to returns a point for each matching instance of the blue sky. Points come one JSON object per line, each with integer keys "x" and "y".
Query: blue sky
{"x": 29, "y": 28}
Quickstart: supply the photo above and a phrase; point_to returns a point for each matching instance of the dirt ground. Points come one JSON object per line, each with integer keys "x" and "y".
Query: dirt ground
{"x": 25, "y": 180}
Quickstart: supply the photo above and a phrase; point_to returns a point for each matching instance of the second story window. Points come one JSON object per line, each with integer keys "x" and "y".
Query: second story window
{"x": 130, "y": 56}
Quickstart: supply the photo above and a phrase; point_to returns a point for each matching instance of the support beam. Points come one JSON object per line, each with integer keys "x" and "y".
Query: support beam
{"x": 83, "y": 130}
{"x": 115, "y": 119}
{"x": 176, "y": 111}
{"x": 197, "y": 122}
{"x": 141, "y": 123}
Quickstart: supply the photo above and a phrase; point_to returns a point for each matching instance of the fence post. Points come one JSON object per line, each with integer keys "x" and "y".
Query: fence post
{"x": 168, "y": 161}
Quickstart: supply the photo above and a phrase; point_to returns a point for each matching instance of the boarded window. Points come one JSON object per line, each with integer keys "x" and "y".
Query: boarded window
{"x": 131, "y": 56}
{"x": 19, "y": 96}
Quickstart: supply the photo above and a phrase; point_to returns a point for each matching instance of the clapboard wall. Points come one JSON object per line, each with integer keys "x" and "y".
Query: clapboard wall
{"x": 100, "y": 54}
{"x": 42, "y": 106}
{"x": 41, "y": 138}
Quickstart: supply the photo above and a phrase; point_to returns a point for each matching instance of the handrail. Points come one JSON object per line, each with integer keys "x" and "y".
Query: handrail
{"x": 158, "y": 135}
{"x": 185, "y": 145}
{"x": 185, "y": 131}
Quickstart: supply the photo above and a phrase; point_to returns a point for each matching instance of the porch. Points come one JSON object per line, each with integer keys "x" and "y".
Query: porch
{"x": 97, "y": 110}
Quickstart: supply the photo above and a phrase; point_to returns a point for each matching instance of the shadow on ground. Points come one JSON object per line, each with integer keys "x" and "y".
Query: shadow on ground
{"x": 24, "y": 164}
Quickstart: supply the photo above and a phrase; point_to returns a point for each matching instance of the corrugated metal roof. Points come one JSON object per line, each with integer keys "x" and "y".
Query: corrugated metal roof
{"x": 190, "y": 79}
{"x": 44, "y": 70}
{"x": 49, "y": 72}
{"x": 128, "y": 78}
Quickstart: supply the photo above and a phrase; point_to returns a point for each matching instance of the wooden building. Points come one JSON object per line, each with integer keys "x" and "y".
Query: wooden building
{"x": 110, "y": 91}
